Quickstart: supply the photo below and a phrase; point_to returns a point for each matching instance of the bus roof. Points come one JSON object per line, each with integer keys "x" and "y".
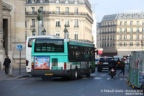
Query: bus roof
{"x": 81, "y": 43}
{"x": 45, "y": 36}
{"x": 71, "y": 42}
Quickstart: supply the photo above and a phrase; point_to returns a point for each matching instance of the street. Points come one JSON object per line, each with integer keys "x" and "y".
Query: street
{"x": 99, "y": 84}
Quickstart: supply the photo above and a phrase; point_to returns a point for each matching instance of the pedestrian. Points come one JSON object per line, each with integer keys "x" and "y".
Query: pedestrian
{"x": 7, "y": 62}
{"x": 118, "y": 64}
{"x": 122, "y": 67}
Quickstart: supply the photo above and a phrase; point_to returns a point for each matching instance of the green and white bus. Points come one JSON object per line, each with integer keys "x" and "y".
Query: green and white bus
{"x": 62, "y": 58}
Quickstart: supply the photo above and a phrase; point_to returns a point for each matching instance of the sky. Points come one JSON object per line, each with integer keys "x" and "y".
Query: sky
{"x": 105, "y": 7}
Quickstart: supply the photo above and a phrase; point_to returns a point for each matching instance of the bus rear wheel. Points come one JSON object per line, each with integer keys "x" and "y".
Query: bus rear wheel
{"x": 74, "y": 75}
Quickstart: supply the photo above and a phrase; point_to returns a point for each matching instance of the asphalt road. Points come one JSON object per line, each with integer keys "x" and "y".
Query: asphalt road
{"x": 99, "y": 84}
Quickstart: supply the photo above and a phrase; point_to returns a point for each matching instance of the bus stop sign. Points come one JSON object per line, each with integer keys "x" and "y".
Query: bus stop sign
{"x": 19, "y": 47}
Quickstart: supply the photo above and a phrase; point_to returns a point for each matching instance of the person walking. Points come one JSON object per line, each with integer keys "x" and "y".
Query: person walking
{"x": 7, "y": 62}
{"x": 122, "y": 66}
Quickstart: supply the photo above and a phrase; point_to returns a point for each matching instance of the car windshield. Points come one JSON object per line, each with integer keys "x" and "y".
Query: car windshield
{"x": 105, "y": 59}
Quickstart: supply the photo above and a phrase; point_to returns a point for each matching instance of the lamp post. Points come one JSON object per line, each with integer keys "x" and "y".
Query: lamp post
{"x": 44, "y": 32}
{"x": 33, "y": 32}
{"x": 66, "y": 34}
{"x": 39, "y": 18}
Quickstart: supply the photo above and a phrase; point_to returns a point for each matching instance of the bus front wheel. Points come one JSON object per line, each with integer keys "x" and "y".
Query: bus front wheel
{"x": 89, "y": 72}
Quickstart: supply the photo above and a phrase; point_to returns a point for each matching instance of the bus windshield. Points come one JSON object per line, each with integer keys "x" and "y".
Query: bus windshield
{"x": 49, "y": 45}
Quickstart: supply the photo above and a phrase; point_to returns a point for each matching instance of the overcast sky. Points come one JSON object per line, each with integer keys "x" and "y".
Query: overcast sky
{"x": 104, "y": 7}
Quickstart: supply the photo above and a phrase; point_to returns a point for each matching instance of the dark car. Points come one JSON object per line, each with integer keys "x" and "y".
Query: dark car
{"x": 103, "y": 63}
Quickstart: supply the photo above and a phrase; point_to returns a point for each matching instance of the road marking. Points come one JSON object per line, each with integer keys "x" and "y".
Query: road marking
{"x": 93, "y": 75}
{"x": 123, "y": 79}
{"x": 108, "y": 78}
{"x": 97, "y": 78}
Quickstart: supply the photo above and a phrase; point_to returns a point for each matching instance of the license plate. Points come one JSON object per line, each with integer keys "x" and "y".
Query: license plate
{"x": 48, "y": 74}
{"x": 105, "y": 63}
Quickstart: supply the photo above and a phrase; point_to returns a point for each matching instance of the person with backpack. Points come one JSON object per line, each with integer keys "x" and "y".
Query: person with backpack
{"x": 7, "y": 62}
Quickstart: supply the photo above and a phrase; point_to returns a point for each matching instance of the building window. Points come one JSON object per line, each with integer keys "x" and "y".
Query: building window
{"x": 33, "y": 22}
{"x": 142, "y": 29}
{"x": 57, "y": 10}
{"x": 46, "y": 1}
{"x": 120, "y": 22}
{"x": 25, "y": 23}
{"x": 131, "y": 22}
{"x": 125, "y": 30}
{"x": 137, "y": 30}
{"x": 125, "y": 23}
{"x": 137, "y": 22}
{"x": 120, "y": 37}
{"x": 58, "y": 23}
{"x": 76, "y": 10}
{"x": 67, "y": 23}
{"x": 142, "y": 36}
{"x": 125, "y": 37}
{"x": 120, "y": 44}
{"x": 76, "y": 36}
{"x": 131, "y": 37}
{"x": 66, "y": 1}
{"x": 38, "y": 1}
{"x": 76, "y": 23}
{"x": 131, "y": 29}
{"x": 120, "y": 29}
{"x": 137, "y": 37}
{"x": 67, "y": 10}
{"x": 137, "y": 44}
{"x": 143, "y": 23}
{"x": 29, "y": 1}
{"x": 142, "y": 43}
{"x": 125, "y": 44}
{"x": 41, "y": 8}
{"x": 58, "y": 34}
{"x": 33, "y": 10}
{"x": 131, "y": 43}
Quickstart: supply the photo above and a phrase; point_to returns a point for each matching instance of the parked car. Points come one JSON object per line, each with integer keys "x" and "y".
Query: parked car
{"x": 103, "y": 63}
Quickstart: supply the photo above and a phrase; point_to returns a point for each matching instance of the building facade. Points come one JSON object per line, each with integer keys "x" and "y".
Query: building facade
{"x": 76, "y": 14}
{"x": 12, "y": 29}
{"x": 119, "y": 34}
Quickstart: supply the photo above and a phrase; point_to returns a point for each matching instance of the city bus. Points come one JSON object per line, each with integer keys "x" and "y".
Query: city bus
{"x": 62, "y": 58}
{"x": 29, "y": 48}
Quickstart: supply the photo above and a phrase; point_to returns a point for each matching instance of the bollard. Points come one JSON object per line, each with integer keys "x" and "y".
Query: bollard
{"x": 10, "y": 70}
{"x": 0, "y": 66}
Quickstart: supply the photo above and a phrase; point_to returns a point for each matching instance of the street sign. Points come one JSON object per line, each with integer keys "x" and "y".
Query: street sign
{"x": 19, "y": 47}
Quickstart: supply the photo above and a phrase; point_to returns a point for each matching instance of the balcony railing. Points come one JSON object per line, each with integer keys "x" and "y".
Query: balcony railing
{"x": 101, "y": 26}
{"x": 60, "y": 13}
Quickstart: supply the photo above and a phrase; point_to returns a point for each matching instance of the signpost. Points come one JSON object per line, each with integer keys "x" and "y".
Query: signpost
{"x": 20, "y": 48}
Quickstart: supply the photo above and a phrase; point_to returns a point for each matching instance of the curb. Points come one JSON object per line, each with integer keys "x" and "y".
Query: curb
{"x": 23, "y": 76}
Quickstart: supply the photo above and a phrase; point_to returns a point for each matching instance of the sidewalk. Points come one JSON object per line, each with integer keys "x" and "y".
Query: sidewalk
{"x": 15, "y": 74}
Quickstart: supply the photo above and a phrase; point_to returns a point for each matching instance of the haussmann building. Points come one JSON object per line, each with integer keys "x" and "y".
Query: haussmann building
{"x": 119, "y": 34}
{"x": 75, "y": 14}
